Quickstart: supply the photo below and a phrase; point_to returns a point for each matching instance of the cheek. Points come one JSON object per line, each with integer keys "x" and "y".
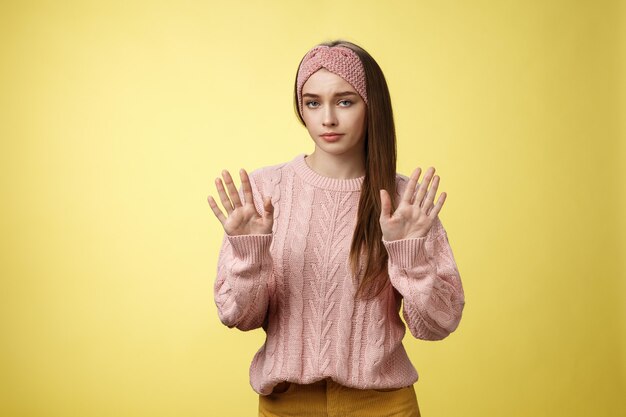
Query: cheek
{"x": 308, "y": 120}
{"x": 363, "y": 121}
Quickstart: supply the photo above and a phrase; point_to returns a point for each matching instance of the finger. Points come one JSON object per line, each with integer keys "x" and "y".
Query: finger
{"x": 247, "y": 188}
{"x": 232, "y": 190}
{"x": 269, "y": 208}
{"x": 410, "y": 187}
{"x": 223, "y": 196}
{"x": 430, "y": 197}
{"x": 216, "y": 210}
{"x": 437, "y": 208}
{"x": 414, "y": 193}
{"x": 385, "y": 205}
{"x": 421, "y": 191}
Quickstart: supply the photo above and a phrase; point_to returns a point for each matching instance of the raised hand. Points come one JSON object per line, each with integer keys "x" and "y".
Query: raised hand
{"x": 242, "y": 217}
{"x": 415, "y": 213}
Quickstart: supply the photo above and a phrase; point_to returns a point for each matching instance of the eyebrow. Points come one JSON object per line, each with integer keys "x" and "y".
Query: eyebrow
{"x": 341, "y": 94}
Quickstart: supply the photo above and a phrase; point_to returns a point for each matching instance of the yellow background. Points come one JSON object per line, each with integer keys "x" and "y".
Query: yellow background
{"x": 115, "y": 117}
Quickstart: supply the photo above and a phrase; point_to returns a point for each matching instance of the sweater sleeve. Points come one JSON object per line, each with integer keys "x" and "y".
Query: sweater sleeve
{"x": 244, "y": 273}
{"x": 424, "y": 272}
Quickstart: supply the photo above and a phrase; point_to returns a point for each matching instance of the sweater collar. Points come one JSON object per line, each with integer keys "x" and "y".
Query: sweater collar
{"x": 308, "y": 175}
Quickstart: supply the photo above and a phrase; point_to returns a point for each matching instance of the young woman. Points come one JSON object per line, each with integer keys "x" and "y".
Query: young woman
{"x": 321, "y": 251}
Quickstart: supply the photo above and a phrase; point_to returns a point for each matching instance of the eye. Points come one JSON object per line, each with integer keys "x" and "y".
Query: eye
{"x": 348, "y": 103}
{"x": 311, "y": 104}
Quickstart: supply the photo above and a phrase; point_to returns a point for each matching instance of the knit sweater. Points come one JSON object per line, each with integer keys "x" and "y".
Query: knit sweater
{"x": 297, "y": 284}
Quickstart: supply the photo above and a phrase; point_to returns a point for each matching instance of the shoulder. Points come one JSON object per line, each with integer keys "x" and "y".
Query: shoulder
{"x": 268, "y": 176}
{"x": 267, "y": 171}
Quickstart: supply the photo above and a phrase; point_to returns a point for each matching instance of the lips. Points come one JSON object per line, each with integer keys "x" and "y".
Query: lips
{"x": 331, "y": 137}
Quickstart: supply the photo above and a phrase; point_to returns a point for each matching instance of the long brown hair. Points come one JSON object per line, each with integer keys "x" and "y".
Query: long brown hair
{"x": 380, "y": 173}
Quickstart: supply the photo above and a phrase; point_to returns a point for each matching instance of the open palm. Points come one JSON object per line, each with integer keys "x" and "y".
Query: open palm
{"x": 242, "y": 217}
{"x": 415, "y": 213}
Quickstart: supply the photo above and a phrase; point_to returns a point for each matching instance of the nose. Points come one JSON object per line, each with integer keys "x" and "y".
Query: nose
{"x": 330, "y": 118}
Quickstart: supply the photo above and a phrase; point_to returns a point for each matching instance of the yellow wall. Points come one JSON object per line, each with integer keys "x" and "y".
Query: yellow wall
{"x": 620, "y": 191}
{"x": 116, "y": 116}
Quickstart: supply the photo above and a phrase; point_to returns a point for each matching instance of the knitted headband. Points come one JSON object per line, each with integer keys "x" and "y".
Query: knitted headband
{"x": 340, "y": 60}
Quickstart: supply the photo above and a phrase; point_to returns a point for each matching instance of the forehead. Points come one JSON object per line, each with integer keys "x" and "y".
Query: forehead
{"x": 324, "y": 81}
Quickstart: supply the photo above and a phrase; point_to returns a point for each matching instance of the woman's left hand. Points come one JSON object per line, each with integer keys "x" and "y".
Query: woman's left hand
{"x": 415, "y": 213}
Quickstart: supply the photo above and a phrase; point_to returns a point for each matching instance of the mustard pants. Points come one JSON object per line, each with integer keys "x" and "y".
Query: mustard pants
{"x": 327, "y": 398}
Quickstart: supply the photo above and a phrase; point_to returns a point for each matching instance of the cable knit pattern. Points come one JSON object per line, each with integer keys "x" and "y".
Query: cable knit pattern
{"x": 296, "y": 283}
{"x": 294, "y": 279}
{"x": 271, "y": 188}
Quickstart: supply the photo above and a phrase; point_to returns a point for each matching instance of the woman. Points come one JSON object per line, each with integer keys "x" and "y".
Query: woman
{"x": 320, "y": 251}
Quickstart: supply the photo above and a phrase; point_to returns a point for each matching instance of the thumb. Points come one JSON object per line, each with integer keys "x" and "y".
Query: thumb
{"x": 269, "y": 208}
{"x": 385, "y": 205}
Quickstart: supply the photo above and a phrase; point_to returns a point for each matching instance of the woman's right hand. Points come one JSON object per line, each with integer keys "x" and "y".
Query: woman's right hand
{"x": 242, "y": 218}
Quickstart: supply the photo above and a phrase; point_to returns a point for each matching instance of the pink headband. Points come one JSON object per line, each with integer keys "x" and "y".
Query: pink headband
{"x": 338, "y": 59}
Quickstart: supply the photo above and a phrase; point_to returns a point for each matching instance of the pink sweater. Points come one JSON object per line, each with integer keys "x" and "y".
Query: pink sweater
{"x": 301, "y": 276}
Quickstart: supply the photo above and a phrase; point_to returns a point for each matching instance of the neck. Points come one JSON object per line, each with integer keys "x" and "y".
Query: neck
{"x": 345, "y": 166}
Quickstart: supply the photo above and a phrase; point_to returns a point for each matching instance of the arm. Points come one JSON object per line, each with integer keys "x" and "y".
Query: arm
{"x": 424, "y": 272}
{"x": 241, "y": 289}
{"x": 244, "y": 267}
